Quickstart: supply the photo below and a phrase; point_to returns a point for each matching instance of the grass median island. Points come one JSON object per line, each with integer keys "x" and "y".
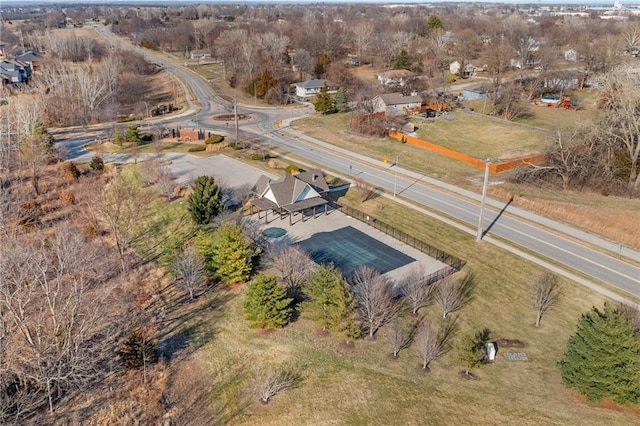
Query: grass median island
{"x": 361, "y": 385}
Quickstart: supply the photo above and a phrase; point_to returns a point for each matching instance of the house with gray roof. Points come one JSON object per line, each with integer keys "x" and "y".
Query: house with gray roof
{"x": 396, "y": 78}
{"x": 396, "y": 104}
{"x": 312, "y": 87}
{"x": 290, "y": 194}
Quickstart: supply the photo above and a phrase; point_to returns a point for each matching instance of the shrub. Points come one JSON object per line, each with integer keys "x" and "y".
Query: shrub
{"x": 256, "y": 157}
{"x": 125, "y": 119}
{"x": 292, "y": 169}
{"x": 67, "y": 198}
{"x": 70, "y": 170}
{"x": 29, "y": 213}
{"x": 97, "y": 163}
{"x": 214, "y": 139}
{"x": 197, "y": 148}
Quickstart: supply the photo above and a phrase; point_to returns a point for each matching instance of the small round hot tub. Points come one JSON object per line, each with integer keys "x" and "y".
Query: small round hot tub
{"x": 274, "y": 232}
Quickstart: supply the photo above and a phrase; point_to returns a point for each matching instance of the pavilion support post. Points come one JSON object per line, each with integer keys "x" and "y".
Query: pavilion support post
{"x": 326, "y": 210}
{"x": 290, "y": 219}
{"x": 314, "y": 212}
{"x": 266, "y": 217}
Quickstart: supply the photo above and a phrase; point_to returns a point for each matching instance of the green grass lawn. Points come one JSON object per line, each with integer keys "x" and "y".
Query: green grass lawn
{"x": 362, "y": 386}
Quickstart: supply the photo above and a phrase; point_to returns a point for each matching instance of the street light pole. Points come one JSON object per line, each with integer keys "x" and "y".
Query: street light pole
{"x": 148, "y": 125}
{"x": 487, "y": 164}
{"x": 395, "y": 176}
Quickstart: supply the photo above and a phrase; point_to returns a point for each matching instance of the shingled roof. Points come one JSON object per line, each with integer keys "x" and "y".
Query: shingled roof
{"x": 291, "y": 193}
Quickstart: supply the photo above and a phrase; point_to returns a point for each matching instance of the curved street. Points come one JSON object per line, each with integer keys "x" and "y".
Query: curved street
{"x": 597, "y": 260}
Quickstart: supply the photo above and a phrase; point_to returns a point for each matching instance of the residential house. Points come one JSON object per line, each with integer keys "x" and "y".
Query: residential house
{"x": 31, "y": 58}
{"x": 571, "y": 55}
{"x": 14, "y": 72}
{"x": 200, "y": 54}
{"x": 396, "y": 78}
{"x": 291, "y": 194}
{"x": 312, "y": 87}
{"x": 396, "y": 104}
{"x": 469, "y": 69}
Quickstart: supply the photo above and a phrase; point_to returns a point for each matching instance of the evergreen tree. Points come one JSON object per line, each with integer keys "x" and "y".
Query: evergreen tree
{"x": 402, "y": 61}
{"x": 42, "y": 131}
{"x": 232, "y": 253}
{"x": 267, "y": 304}
{"x": 341, "y": 103}
{"x": 204, "y": 203}
{"x": 133, "y": 134}
{"x": 331, "y": 303}
{"x": 203, "y": 241}
{"x": 117, "y": 137}
{"x": 324, "y": 101}
{"x": 471, "y": 349}
{"x": 602, "y": 360}
{"x": 434, "y": 22}
{"x": 136, "y": 351}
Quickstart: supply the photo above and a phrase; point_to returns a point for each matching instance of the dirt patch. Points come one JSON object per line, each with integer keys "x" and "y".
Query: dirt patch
{"x": 266, "y": 332}
{"x": 347, "y": 346}
{"x": 467, "y": 376}
{"x": 421, "y": 370}
{"x": 510, "y": 343}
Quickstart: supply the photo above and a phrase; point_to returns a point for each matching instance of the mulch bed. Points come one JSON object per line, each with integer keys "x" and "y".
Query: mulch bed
{"x": 467, "y": 376}
{"x": 510, "y": 343}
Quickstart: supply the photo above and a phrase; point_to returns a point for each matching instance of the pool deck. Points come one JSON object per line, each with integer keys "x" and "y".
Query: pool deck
{"x": 301, "y": 230}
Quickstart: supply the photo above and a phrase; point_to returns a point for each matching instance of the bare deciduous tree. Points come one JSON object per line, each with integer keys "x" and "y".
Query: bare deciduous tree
{"x": 620, "y": 124}
{"x": 190, "y": 270}
{"x": 415, "y": 288}
{"x": 432, "y": 342}
{"x": 272, "y": 382}
{"x": 372, "y": 291}
{"x": 292, "y": 266}
{"x": 365, "y": 189}
{"x": 631, "y": 313}
{"x": 165, "y": 182}
{"x": 124, "y": 206}
{"x": 48, "y": 315}
{"x": 454, "y": 294}
{"x": 546, "y": 294}
{"x": 399, "y": 336}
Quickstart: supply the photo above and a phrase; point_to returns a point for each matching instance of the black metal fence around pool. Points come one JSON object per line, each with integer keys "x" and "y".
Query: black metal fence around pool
{"x": 436, "y": 253}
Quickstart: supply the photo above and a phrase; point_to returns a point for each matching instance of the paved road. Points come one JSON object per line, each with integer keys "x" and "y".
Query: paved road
{"x": 514, "y": 226}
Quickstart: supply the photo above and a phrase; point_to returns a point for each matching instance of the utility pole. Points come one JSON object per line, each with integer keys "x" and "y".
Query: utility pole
{"x": 255, "y": 95}
{"x": 487, "y": 164}
{"x": 235, "y": 115}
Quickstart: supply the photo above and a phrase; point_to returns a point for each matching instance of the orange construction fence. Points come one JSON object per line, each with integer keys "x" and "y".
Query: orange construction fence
{"x": 493, "y": 167}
